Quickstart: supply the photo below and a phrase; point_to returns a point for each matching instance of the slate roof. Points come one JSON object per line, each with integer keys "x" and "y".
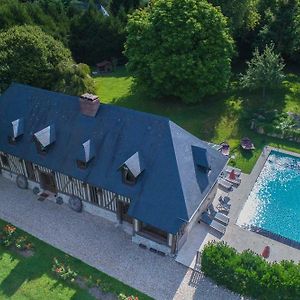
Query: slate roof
{"x": 171, "y": 186}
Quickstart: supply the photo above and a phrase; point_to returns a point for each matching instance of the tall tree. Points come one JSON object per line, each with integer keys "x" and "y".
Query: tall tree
{"x": 242, "y": 14}
{"x": 28, "y": 55}
{"x": 115, "y": 6}
{"x": 280, "y": 24}
{"x": 265, "y": 70}
{"x": 95, "y": 37}
{"x": 48, "y": 14}
{"x": 179, "y": 48}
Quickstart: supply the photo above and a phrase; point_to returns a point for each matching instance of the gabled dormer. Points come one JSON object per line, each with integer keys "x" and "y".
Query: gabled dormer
{"x": 17, "y": 131}
{"x": 132, "y": 168}
{"x": 201, "y": 160}
{"x": 86, "y": 154}
{"x": 45, "y": 138}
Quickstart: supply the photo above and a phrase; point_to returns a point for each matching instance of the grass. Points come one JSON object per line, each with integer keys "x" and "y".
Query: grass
{"x": 31, "y": 278}
{"x": 216, "y": 119}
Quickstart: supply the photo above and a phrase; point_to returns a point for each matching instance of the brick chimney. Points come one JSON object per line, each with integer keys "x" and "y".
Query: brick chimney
{"x": 89, "y": 104}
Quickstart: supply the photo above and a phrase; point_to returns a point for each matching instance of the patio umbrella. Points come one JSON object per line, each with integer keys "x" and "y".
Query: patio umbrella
{"x": 232, "y": 175}
{"x": 266, "y": 252}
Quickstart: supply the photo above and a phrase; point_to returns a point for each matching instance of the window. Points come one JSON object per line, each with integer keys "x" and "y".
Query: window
{"x": 154, "y": 232}
{"x": 41, "y": 150}
{"x": 81, "y": 164}
{"x": 4, "y": 160}
{"x": 128, "y": 177}
{"x": 205, "y": 170}
{"x": 12, "y": 140}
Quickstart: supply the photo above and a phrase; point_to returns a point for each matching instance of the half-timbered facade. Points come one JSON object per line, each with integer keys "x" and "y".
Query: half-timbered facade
{"x": 130, "y": 167}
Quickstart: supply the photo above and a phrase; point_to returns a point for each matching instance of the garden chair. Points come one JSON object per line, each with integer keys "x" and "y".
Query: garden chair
{"x": 218, "y": 216}
{"x": 205, "y": 218}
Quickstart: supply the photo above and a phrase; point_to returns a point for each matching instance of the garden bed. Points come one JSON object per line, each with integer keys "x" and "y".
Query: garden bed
{"x": 283, "y": 126}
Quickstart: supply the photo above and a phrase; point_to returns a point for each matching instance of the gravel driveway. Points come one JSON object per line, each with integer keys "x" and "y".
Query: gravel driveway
{"x": 104, "y": 246}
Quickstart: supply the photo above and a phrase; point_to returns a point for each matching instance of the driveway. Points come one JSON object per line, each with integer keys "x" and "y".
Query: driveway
{"x": 104, "y": 246}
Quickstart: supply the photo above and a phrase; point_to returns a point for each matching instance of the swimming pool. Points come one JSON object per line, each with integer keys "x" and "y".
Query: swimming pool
{"x": 274, "y": 202}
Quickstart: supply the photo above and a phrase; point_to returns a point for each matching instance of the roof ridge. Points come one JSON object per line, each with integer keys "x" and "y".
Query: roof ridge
{"x": 177, "y": 166}
{"x": 116, "y": 107}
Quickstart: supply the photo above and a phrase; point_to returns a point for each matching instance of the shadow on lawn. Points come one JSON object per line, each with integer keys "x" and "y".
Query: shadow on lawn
{"x": 28, "y": 269}
{"x": 22, "y": 272}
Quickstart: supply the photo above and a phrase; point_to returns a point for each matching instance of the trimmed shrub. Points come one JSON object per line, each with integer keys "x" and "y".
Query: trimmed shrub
{"x": 249, "y": 274}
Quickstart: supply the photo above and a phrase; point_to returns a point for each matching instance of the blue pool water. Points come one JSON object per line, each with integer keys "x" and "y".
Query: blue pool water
{"x": 274, "y": 203}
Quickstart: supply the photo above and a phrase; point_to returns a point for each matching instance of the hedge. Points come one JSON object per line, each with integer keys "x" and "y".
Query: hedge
{"x": 249, "y": 274}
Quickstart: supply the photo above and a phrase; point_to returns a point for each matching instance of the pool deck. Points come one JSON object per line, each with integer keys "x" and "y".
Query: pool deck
{"x": 235, "y": 236}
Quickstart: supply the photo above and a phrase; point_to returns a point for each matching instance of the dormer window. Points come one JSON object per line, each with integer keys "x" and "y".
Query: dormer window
{"x": 201, "y": 159}
{"x": 128, "y": 177}
{"x": 132, "y": 168}
{"x": 17, "y": 131}
{"x": 86, "y": 154}
{"x": 81, "y": 164}
{"x": 45, "y": 138}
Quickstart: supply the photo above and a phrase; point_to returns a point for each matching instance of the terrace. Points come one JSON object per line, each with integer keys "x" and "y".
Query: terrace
{"x": 235, "y": 236}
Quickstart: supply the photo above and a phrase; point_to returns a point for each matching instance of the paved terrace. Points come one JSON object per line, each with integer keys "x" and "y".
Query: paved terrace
{"x": 239, "y": 238}
{"x": 102, "y": 245}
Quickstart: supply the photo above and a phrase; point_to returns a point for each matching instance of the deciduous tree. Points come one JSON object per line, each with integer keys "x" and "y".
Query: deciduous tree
{"x": 28, "y": 55}
{"x": 179, "y": 48}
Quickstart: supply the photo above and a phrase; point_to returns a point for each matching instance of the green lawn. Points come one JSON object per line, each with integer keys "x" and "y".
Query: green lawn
{"x": 31, "y": 278}
{"x": 216, "y": 119}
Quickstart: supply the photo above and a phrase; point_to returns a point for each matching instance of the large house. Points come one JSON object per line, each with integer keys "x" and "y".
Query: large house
{"x": 130, "y": 167}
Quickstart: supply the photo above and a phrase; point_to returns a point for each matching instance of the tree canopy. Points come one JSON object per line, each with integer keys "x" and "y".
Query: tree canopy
{"x": 179, "y": 48}
{"x": 280, "y": 24}
{"x": 95, "y": 37}
{"x": 242, "y": 14}
{"x": 50, "y": 15}
{"x": 30, "y": 56}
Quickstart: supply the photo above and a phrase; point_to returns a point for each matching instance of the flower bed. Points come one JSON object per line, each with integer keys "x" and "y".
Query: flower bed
{"x": 10, "y": 237}
{"x": 249, "y": 274}
{"x": 62, "y": 269}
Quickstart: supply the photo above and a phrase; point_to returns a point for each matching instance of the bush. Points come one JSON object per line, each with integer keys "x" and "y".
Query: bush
{"x": 124, "y": 297}
{"x": 249, "y": 274}
{"x": 63, "y": 271}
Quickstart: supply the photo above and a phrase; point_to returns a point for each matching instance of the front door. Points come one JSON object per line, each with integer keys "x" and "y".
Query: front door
{"x": 30, "y": 170}
{"x": 48, "y": 182}
{"x": 122, "y": 212}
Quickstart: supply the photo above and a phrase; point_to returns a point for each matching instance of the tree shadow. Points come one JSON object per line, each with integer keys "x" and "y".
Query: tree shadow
{"x": 119, "y": 72}
{"x": 22, "y": 272}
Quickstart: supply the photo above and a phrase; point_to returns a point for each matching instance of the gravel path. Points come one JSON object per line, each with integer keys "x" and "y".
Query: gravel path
{"x": 104, "y": 246}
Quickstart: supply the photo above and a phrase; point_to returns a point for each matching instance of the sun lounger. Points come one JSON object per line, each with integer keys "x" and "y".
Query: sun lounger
{"x": 225, "y": 148}
{"x": 237, "y": 171}
{"x": 235, "y": 181}
{"x": 247, "y": 144}
{"x": 225, "y": 184}
{"x": 205, "y": 218}
{"x": 224, "y": 200}
{"x": 223, "y": 207}
{"x": 218, "y": 216}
